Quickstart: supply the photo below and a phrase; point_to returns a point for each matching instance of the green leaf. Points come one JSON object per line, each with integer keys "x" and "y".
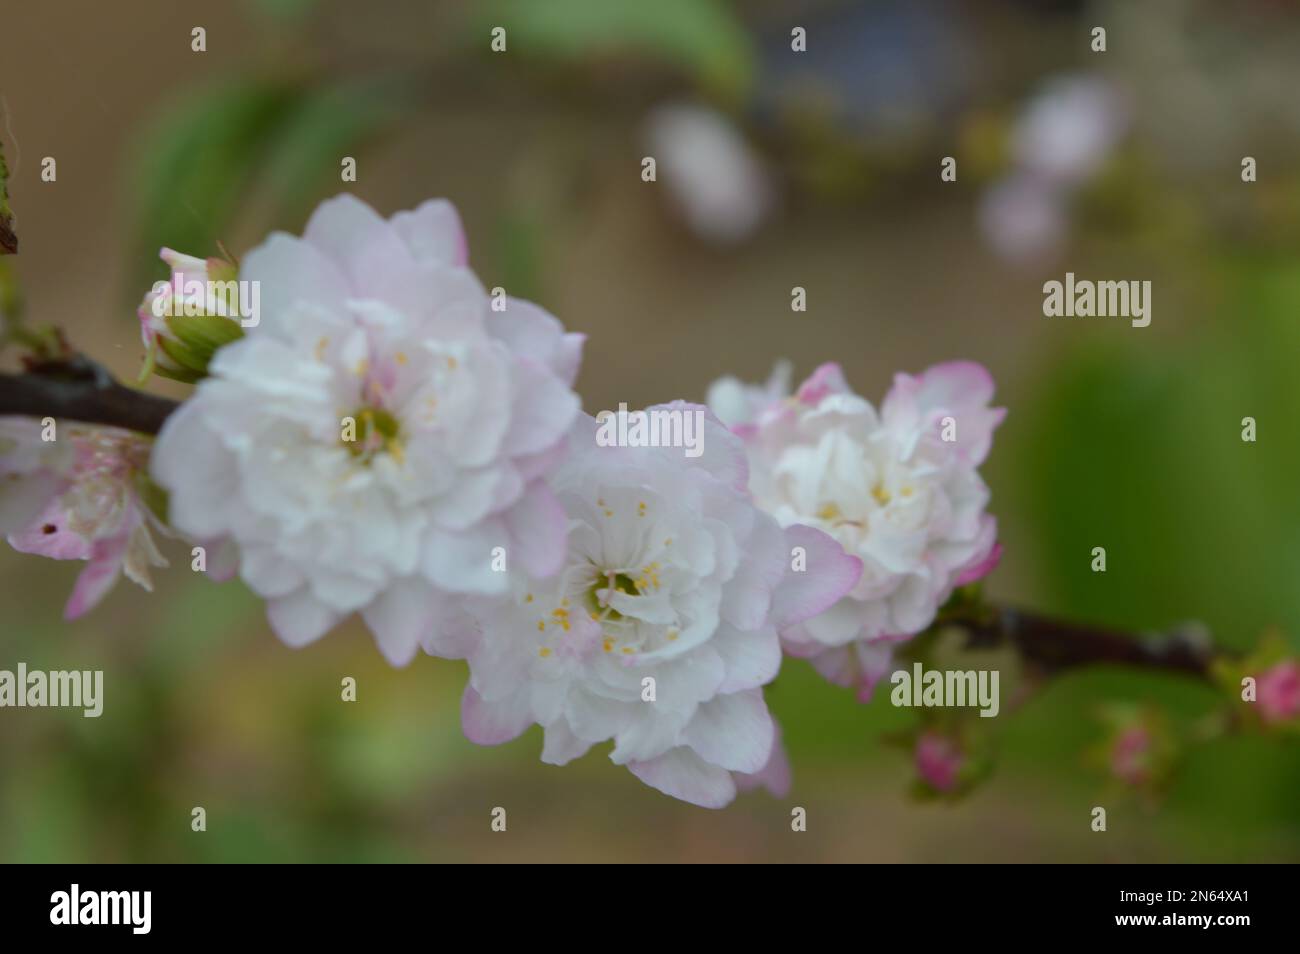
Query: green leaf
{"x": 196, "y": 162}
{"x": 701, "y": 37}
{"x": 319, "y": 130}
{"x": 219, "y": 150}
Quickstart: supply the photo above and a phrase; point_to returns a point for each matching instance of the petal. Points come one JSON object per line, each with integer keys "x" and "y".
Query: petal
{"x": 775, "y": 776}
{"x": 542, "y": 412}
{"x": 94, "y": 582}
{"x": 561, "y": 745}
{"x": 300, "y": 618}
{"x": 538, "y": 528}
{"x": 734, "y": 731}
{"x": 48, "y": 535}
{"x": 829, "y": 574}
{"x": 491, "y": 723}
{"x": 462, "y": 562}
{"x": 683, "y": 774}
{"x": 531, "y": 331}
{"x": 399, "y": 616}
{"x": 290, "y": 272}
{"x": 433, "y": 233}
{"x": 364, "y": 246}
{"x": 826, "y": 380}
{"x": 751, "y": 658}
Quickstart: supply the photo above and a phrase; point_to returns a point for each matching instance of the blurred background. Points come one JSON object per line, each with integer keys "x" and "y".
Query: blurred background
{"x": 776, "y": 169}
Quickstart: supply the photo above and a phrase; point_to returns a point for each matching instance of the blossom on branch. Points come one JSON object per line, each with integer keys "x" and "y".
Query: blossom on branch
{"x": 98, "y": 515}
{"x": 379, "y": 433}
{"x": 899, "y": 488}
{"x": 662, "y": 625}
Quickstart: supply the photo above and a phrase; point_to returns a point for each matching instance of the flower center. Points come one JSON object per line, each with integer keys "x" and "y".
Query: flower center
{"x": 376, "y": 430}
{"x": 617, "y": 582}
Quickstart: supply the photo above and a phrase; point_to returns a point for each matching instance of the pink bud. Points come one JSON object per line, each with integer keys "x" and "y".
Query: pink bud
{"x": 1279, "y": 692}
{"x": 938, "y": 761}
{"x": 1130, "y": 755}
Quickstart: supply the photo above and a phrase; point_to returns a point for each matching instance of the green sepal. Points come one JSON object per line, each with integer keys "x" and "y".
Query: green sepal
{"x": 153, "y": 496}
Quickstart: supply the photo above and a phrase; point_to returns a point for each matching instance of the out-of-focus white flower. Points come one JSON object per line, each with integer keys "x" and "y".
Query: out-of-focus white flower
{"x": 1024, "y": 220}
{"x": 98, "y": 516}
{"x": 379, "y": 433}
{"x": 32, "y": 471}
{"x": 1069, "y": 129}
{"x": 898, "y": 488}
{"x": 662, "y": 625}
{"x": 711, "y": 172}
{"x": 1062, "y": 139}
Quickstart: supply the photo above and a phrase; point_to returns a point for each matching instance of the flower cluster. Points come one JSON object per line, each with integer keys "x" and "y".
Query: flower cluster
{"x": 94, "y": 509}
{"x": 388, "y": 438}
{"x": 899, "y": 488}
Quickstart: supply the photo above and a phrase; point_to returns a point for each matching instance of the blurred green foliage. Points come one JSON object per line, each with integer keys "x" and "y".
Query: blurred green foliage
{"x": 221, "y": 148}
{"x": 1140, "y": 450}
{"x": 702, "y": 38}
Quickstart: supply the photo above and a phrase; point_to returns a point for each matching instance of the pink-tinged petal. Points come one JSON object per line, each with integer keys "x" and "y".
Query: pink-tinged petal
{"x": 222, "y": 559}
{"x": 94, "y": 582}
{"x": 462, "y": 561}
{"x": 433, "y": 233}
{"x": 454, "y": 632}
{"x": 826, "y": 380}
{"x": 542, "y": 412}
{"x": 532, "y": 332}
{"x": 300, "y": 618}
{"x": 733, "y": 731}
{"x": 722, "y": 454}
{"x": 561, "y": 746}
{"x": 875, "y": 661}
{"x": 354, "y": 236}
{"x": 982, "y": 568}
{"x": 399, "y": 617}
{"x": 539, "y": 465}
{"x": 290, "y": 272}
{"x": 49, "y": 536}
{"x": 775, "y": 776}
{"x": 829, "y": 574}
{"x": 538, "y": 528}
{"x": 837, "y": 625}
{"x": 747, "y": 599}
{"x": 491, "y": 723}
{"x": 838, "y": 666}
{"x": 958, "y": 389}
{"x": 750, "y": 658}
{"x": 683, "y": 774}
{"x": 23, "y": 499}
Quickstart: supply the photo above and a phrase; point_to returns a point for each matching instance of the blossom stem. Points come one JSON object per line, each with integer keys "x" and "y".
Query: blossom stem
{"x": 1055, "y": 644}
{"x": 81, "y": 390}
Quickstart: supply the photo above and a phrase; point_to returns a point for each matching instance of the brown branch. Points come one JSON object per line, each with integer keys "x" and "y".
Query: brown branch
{"x": 1054, "y": 644}
{"x": 8, "y": 240}
{"x": 81, "y": 390}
